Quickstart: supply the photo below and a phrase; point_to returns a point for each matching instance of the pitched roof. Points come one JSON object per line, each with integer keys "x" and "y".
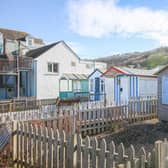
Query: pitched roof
{"x": 162, "y": 68}
{"x": 113, "y": 71}
{"x": 136, "y": 71}
{"x": 37, "y": 52}
{"x": 94, "y": 72}
{"x": 14, "y": 34}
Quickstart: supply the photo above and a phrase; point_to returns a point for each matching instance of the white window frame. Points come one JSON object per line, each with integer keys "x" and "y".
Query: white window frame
{"x": 52, "y": 67}
{"x": 48, "y": 67}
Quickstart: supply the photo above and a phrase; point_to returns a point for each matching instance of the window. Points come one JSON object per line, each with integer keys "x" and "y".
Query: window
{"x": 89, "y": 66}
{"x": 102, "y": 85}
{"x": 164, "y": 90}
{"x": 76, "y": 86}
{"x": 49, "y": 67}
{"x": 30, "y": 42}
{"x": 91, "y": 85}
{"x": 53, "y": 67}
{"x": 73, "y": 64}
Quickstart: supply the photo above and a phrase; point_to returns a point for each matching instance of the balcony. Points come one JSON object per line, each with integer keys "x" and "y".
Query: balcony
{"x": 25, "y": 63}
{"x": 10, "y": 66}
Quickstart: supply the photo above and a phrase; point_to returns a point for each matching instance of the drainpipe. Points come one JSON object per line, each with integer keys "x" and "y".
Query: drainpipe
{"x": 4, "y": 46}
{"x": 18, "y": 71}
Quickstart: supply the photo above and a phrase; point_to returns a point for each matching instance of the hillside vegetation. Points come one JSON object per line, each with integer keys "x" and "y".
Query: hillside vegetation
{"x": 148, "y": 59}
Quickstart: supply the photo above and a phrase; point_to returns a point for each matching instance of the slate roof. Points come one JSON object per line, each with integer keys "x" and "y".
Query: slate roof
{"x": 37, "y": 52}
{"x": 14, "y": 34}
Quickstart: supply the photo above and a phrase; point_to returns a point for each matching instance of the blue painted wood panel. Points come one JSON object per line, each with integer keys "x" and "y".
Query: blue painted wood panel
{"x": 164, "y": 90}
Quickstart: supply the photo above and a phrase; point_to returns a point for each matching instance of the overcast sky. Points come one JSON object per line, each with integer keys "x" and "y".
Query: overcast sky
{"x": 93, "y": 28}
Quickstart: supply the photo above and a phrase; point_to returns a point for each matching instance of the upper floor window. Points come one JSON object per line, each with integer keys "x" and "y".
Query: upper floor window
{"x": 30, "y": 42}
{"x": 53, "y": 67}
{"x": 89, "y": 66}
{"x": 73, "y": 63}
{"x": 49, "y": 67}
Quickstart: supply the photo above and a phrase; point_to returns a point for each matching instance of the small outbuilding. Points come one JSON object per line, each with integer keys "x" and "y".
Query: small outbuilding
{"x": 96, "y": 86}
{"x": 163, "y": 93}
{"x": 100, "y": 88}
{"x": 132, "y": 83}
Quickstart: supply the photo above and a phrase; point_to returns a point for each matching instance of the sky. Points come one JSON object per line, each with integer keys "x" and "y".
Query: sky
{"x": 92, "y": 28}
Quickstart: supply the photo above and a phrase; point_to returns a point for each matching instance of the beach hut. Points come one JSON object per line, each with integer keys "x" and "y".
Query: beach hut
{"x": 131, "y": 83}
{"x": 100, "y": 88}
{"x": 163, "y": 93}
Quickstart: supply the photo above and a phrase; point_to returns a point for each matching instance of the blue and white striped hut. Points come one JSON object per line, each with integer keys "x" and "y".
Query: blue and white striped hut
{"x": 132, "y": 83}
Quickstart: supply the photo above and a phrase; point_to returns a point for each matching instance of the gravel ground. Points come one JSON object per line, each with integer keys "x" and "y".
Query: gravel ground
{"x": 144, "y": 134}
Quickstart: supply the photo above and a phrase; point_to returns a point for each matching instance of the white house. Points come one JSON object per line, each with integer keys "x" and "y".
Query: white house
{"x": 101, "y": 88}
{"x": 58, "y": 71}
{"x": 132, "y": 83}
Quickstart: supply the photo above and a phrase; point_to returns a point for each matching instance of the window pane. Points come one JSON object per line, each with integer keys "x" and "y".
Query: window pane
{"x": 49, "y": 67}
{"x": 55, "y": 67}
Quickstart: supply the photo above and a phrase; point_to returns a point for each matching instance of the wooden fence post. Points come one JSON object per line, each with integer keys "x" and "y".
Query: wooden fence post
{"x": 158, "y": 154}
{"x": 79, "y": 150}
{"x": 101, "y": 161}
{"x": 15, "y": 130}
{"x": 85, "y": 159}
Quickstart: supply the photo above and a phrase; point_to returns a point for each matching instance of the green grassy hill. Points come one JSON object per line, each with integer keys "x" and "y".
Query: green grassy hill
{"x": 147, "y": 60}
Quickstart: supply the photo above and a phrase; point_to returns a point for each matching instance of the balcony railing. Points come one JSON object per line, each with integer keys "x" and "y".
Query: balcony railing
{"x": 10, "y": 66}
{"x": 25, "y": 63}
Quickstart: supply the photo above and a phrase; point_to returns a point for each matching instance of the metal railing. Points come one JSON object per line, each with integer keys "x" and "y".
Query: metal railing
{"x": 10, "y": 66}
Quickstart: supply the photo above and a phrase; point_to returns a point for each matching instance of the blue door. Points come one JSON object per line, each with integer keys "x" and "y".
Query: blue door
{"x": 97, "y": 89}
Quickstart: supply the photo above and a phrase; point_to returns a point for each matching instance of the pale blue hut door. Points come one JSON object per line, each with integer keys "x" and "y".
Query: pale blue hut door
{"x": 97, "y": 89}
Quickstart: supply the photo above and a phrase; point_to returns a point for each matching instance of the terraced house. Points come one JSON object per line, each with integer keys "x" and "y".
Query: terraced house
{"x": 14, "y": 70}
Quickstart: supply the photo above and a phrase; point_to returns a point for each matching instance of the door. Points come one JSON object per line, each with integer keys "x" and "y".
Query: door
{"x": 97, "y": 89}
